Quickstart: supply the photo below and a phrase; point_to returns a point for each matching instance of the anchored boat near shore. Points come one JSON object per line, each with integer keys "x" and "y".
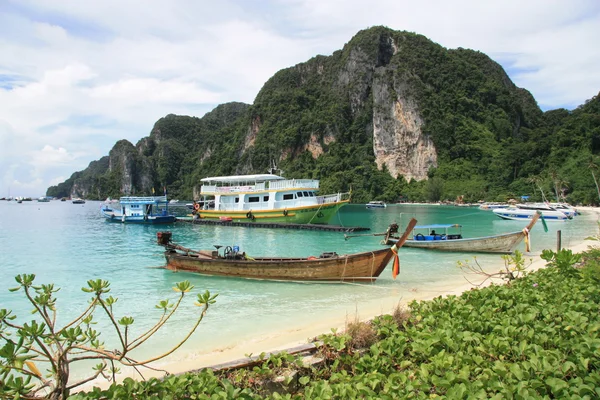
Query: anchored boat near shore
{"x": 440, "y": 237}
{"x": 358, "y": 267}
{"x": 267, "y": 198}
{"x": 139, "y": 210}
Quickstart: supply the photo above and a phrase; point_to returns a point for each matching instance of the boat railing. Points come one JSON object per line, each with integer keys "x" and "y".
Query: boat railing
{"x": 273, "y": 185}
{"x": 143, "y": 200}
{"x": 294, "y": 184}
{"x": 333, "y": 198}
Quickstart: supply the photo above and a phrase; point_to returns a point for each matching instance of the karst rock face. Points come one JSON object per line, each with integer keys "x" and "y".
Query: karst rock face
{"x": 414, "y": 102}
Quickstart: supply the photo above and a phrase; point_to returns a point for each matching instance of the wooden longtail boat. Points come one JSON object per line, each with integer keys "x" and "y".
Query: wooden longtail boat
{"x": 359, "y": 267}
{"x": 504, "y": 243}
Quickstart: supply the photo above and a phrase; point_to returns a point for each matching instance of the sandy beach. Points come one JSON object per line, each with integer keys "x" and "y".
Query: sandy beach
{"x": 284, "y": 339}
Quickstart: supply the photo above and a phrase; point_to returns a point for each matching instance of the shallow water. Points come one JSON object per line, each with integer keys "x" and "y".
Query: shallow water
{"x": 68, "y": 244}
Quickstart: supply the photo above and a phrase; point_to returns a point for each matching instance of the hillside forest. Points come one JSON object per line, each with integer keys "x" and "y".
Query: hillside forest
{"x": 342, "y": 119}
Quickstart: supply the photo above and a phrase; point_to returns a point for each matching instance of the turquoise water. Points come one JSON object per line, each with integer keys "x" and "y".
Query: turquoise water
{"x": 67, "y": 244}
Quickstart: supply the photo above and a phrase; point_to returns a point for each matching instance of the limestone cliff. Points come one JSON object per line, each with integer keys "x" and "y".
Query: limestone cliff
{"x": 388, "y": 103}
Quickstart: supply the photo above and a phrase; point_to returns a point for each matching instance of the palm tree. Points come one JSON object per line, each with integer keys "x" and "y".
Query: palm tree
{"x": 592, "y": 166}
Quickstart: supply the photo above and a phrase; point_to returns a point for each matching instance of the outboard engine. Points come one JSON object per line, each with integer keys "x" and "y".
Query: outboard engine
{"x": 163, "y": 238}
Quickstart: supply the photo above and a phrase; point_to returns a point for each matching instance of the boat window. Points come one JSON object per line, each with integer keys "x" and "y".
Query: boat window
{"x": 237, "y": 199}
{"x": 288, "y": 196}
{"x": 299, "y": 194}
{"x": 306, "y": 194}
{"x": 265, "y": 198}
{"x": 312, "y": 194}
{"x": 253, "y": 199}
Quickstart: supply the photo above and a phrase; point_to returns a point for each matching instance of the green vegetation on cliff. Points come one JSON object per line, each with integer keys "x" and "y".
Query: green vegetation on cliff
{"x": 316, "y": 120}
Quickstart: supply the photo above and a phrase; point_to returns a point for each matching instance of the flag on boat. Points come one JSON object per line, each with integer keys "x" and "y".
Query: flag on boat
{"x": 544, "y": 223}
{"x": 396, "y": 267}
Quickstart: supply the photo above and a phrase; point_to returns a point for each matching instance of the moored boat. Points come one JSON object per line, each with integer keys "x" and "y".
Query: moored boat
{"x": 448, "y": 237}
{"x": 267, "y": 198}
{"x": 493, "y": 206}
{"x": 139, "y": 210}
{"x": 78, "y": 201}
{"x": 522, "y": 214}
{"x": 376, "y": 204}
{"x": 358, "y": 267}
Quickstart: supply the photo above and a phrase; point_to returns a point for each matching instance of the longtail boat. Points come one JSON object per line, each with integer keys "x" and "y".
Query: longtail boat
{"x": 429, "y": 239}
{"x": 358, "y": 267}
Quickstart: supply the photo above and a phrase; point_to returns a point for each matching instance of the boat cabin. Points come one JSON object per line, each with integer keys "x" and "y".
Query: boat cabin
{"x": 437, "y": 232}
{"x": 143, "y": 206}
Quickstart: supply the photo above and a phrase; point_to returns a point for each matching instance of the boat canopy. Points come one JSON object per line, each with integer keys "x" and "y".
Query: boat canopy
{"x": 243, "y": 178}
{"x": 438, "y": 226}
{"x": 143, "y": 200}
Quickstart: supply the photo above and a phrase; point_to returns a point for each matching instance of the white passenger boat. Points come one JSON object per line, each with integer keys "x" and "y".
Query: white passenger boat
{"x": 568, "y": 211}
{"x": 519, "y": 214}
{"x": 267, "y": 198}
{"x": 493, "y": 206}
{"x": 139, "y": 210}
{"x": 376, "y": 204}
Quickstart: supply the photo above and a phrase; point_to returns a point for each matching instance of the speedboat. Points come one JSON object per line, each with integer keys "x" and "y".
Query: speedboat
{"x": 568, "y": 211}
{"x": 376, "y": 204}
{"x": 519, "y": 214}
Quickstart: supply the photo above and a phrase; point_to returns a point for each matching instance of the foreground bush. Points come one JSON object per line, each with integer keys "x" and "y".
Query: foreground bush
{"x": 36, "y": 357}
{"x": 537, "y": 338}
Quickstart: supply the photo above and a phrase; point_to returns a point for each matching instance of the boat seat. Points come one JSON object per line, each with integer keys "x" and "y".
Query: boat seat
{"x": 328, "y": 254}
{"x": 208, "y": 253}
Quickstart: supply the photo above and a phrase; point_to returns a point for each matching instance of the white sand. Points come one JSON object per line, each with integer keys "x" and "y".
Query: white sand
{"x": 284, "y": 339}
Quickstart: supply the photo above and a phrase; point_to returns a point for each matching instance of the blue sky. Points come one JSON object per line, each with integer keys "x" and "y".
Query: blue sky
{"x": 77, "y": 76}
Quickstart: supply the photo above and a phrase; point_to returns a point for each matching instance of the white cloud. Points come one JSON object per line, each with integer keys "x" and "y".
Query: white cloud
{"x": 81, "y": 75}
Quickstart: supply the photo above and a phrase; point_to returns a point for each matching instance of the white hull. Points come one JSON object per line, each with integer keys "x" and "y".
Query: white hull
{"x": 519, "y": 214}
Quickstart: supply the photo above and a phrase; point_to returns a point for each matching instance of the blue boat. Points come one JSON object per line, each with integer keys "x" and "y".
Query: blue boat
{"x": 139, "y": 210}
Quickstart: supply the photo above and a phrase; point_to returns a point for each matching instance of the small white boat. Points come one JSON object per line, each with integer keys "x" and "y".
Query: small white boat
{"x": 78, "y": 201}
{"x": 493, "y": 206}
{"x": 376, "y": 204}
{"x": 174, "y": 201}
{"x": 520, "y": 214}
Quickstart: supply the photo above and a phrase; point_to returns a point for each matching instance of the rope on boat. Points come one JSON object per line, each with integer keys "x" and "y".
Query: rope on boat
{"x": 527, "y": 240}
{"x": 344, "y": 271}
{"x": 315, "y": 214}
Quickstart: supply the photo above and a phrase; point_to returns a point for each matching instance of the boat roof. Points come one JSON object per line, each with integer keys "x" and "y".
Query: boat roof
{"x": 243, "y": 178}
{"x": 143, "y": 200}
{"x": 438, "y": 226}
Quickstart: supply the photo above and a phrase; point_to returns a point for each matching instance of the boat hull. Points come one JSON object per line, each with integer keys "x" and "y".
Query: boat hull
{"x": 316, "y": 214}
{"x": 360, "y": 267}
{"x": 505, "y": 243}
{"x": 517, "y": 214}
{"x": 148, "y": 220}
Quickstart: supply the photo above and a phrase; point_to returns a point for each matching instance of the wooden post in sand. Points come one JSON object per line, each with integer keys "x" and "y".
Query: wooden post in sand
{"x": 558, "y": 241}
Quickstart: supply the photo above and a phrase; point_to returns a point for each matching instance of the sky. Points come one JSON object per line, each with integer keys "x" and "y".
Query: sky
{"x": 77, "y": 76}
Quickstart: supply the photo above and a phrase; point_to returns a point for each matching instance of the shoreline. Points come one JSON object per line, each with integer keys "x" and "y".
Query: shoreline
{"x": 305, "y": 331}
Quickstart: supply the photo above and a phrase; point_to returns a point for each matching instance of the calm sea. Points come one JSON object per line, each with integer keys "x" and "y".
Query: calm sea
{"x": 68, "y": 244}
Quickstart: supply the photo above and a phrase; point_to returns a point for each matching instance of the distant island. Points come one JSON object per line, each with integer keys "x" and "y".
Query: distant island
{"x": 392, "y": 116}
